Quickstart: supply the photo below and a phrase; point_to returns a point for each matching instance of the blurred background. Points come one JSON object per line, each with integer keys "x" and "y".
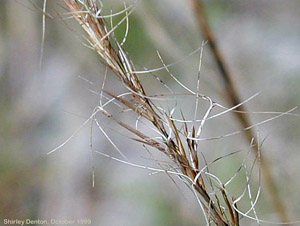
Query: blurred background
{"x": 42, "y": 108}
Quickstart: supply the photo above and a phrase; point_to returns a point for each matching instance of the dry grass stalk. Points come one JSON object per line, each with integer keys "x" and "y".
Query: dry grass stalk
{"x": 180, "y": 147}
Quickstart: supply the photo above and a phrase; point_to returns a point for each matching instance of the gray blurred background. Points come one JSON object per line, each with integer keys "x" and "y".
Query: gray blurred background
{"x": 40, "y": 109}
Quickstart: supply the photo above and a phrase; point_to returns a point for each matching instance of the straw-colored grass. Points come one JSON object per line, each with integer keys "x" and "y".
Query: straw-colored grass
{"x": 171, "y": 140}
{"x": 178, "y": 139}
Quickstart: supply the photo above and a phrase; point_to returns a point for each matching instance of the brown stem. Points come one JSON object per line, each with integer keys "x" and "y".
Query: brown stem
{"x": 233, "y": 98}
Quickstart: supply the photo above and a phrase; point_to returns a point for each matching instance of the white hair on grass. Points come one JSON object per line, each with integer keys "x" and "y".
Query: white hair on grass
{"x": 43, "y": 33}
{"x": 198, "y": 81}
{"x": 174, "y": 77}
{"x": 170, "y": 172}
{"x": 245, "y": 129}
{"x": 127, "y": 26}
{"x": 109, "y": 139}
{"x": 218, "y": 105}
{"x": 97, "y": 109}
{"x": 169, "y": 65}
{"x": 206, "y": 115}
